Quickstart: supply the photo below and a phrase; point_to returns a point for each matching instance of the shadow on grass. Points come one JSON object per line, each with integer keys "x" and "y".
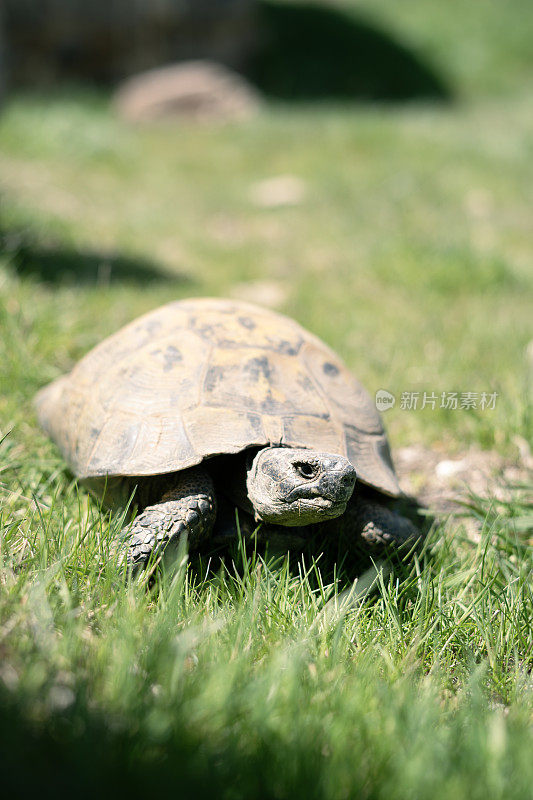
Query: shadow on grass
{"x": 338, "y": 556}
{"x": 54, "y": 264}
{"x": 312, "y": 52}
{"x": 49, "y": 752}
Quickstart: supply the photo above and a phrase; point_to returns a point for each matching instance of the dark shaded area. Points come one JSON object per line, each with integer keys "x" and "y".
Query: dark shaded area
{"x": 49, "y": 41}
{"x": 313, "y": 52}
{"x": 339, "y": 557}
{"x": 75, "y": 752}
{"x": 293, "y": 51}
{"x": 53, "y": 263}
{"x": 80, "y": 752}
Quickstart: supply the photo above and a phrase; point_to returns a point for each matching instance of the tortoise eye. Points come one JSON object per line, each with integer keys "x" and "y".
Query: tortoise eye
{"x": 306, "y": 470}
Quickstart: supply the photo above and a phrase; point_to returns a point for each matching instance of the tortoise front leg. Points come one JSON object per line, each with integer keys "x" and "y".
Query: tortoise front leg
{"x": 376, "y": 527}
{"x": 187, "y": 509}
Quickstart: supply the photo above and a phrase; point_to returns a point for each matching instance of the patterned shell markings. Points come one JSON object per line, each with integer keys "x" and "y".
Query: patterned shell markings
{"x": 200, "y": 377}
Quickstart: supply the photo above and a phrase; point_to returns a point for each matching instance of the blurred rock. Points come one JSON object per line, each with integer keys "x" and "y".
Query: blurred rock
{"x": 447, "y": 468}
{"x": 272, "y": 294}
{"x": 107, "y": 40}
{"x": 197, "y": 89}
{"x": 282, "y": 190}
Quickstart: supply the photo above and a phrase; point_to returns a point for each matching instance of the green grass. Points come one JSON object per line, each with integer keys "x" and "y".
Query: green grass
{"x": 412, "y": 242}
{"x": 410, "y": 253}
{"x": 256, "y": 680}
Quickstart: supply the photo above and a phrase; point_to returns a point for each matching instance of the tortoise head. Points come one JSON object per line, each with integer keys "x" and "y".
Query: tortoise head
{"x": 293, "y": 487}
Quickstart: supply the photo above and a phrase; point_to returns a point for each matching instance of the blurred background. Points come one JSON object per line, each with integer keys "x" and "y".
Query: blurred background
{"x": 363, "y": 166}
{"x": 291, "y": 50}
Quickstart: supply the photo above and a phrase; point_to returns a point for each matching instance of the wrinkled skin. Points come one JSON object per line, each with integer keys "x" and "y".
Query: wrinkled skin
{"x": 297, "y": 487}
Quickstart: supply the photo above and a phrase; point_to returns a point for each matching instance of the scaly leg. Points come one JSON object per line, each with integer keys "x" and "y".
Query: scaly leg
{"x": 375, "y": 526}
{"x": 188, "y": 509}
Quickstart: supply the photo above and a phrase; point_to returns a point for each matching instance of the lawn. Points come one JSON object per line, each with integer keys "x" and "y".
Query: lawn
{"x": 406, "y": 247}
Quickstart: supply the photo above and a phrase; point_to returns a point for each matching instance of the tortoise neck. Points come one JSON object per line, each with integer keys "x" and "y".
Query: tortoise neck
{"x": 231, "y": 472}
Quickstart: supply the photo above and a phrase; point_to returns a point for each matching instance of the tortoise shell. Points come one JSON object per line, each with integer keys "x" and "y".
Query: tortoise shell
{"x": 203, "y": 377}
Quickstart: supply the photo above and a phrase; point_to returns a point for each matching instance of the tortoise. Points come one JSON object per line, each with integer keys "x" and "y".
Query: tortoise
{"x": 204, "y": 399}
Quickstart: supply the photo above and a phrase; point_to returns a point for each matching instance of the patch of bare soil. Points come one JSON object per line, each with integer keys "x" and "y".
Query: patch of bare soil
{"x": 440, "y": 481}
